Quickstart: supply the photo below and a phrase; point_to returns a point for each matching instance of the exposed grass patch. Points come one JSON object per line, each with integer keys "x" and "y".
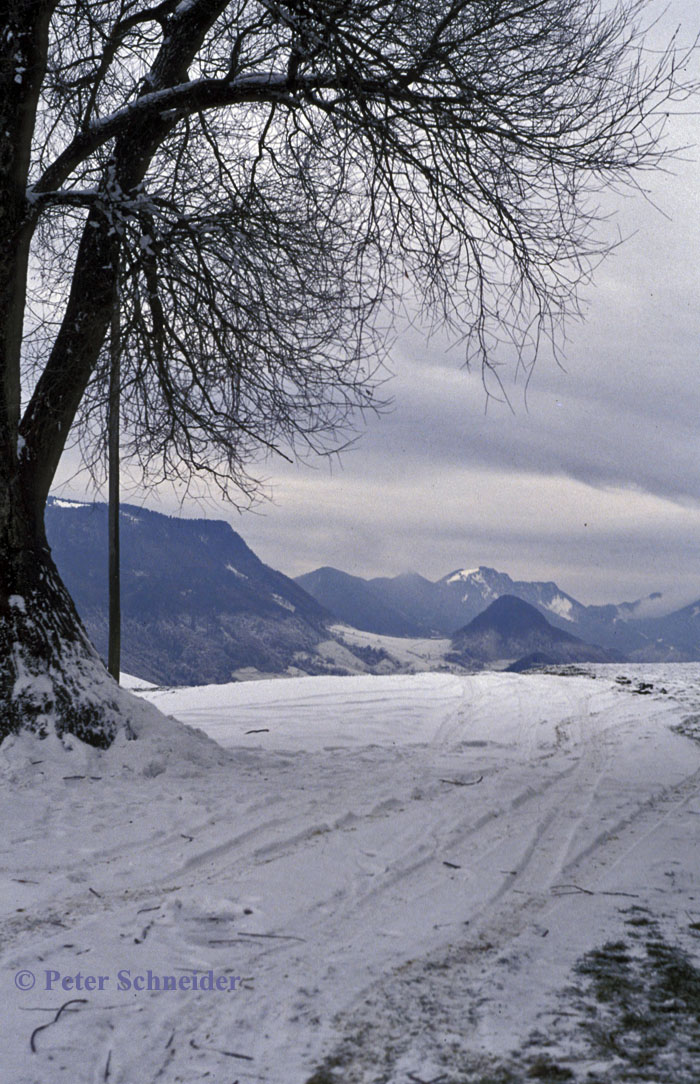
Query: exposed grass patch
{"x": 631, "y": 1014}
{"x": 637, "y": 1006}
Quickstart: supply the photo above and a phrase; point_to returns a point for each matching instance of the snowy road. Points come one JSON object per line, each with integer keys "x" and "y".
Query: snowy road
{"x": 399, "y": 872}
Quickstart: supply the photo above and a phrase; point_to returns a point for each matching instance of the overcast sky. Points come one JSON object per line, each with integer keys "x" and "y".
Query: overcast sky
{"x": 595, "y": 483}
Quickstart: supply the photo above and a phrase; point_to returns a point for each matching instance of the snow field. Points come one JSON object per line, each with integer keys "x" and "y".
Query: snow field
{"x": 418, "y": 860}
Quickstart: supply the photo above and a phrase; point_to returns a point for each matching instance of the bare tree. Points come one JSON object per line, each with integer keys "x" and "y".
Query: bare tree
{"x": 260, "y": 182}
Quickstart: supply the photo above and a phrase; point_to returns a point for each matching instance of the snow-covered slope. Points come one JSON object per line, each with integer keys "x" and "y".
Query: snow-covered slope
{"x": 398, "y": 873}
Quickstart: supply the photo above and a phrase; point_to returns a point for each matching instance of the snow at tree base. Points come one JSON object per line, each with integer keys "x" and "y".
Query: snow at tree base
{"x": 431, "y": 877}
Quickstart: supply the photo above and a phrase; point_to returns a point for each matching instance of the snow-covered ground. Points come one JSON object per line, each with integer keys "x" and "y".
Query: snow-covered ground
{"x": 411, "y": 654}
{"x": 382, "y": 878}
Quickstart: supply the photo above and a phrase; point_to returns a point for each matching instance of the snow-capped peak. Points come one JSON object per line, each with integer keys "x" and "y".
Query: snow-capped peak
{"x": 465, "y": 574}
{"x": 64, "y": 502}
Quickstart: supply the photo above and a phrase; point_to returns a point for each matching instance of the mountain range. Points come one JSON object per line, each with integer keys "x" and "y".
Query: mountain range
{"x": 199, "y": 606}
{"x": 410, "y": 605}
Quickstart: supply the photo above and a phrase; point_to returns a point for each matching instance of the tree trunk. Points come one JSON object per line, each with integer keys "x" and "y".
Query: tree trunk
{"x": 51, "y": 678}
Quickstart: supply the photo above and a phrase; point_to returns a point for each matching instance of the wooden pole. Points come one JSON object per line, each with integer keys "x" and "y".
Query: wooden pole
{"x": 114, "y": 642}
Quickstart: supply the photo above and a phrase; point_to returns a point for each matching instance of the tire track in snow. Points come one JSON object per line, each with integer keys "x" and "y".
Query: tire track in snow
{"x": 447, "y": 991}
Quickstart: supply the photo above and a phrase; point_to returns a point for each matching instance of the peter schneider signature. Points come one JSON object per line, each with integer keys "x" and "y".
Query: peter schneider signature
{"x": 126, "y": 980}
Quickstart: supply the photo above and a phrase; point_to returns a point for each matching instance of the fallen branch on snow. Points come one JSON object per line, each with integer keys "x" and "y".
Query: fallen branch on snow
{"x": 570, "y": 890}
{"x": 42, "y": 1027}
{"x": 227, "y": 1053}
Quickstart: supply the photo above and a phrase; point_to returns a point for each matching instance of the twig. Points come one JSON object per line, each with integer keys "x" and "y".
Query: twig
{"x": 188, "y": 838}
{"x": 462, "y": 783}
{"x": 262, "y": 730}
{"x": 73, "y": 1001}
{"x": 451, "y": 865}
{"x": 94, "y": 893}
{"x": 109, "y": 1058}
{"x": 228, "y": 1053}
{"x": 228, "y": 941}
{"x": 591, "y": 892}
{"x": 277, "y": 936}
